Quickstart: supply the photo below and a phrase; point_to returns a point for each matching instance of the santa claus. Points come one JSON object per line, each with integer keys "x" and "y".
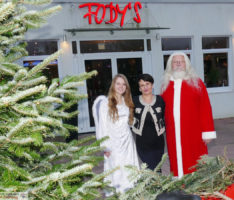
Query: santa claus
{"x": 188, "y": 115}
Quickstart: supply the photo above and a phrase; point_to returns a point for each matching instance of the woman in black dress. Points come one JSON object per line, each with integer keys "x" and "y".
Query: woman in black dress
{"x": 149, "y": 123}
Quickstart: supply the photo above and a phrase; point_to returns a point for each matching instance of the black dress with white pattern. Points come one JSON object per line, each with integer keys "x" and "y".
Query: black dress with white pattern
{"x": 150, "y": 146}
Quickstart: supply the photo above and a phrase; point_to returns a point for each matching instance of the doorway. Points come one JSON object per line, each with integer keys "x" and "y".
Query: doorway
{"x": 107, "y": 69}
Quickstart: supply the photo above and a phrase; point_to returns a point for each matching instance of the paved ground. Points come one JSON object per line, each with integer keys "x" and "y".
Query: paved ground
{"x": 225, "y": 138}
{"x": 225, "y": 133}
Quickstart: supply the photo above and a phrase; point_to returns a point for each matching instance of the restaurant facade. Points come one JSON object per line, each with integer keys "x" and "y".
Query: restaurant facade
{"x": 137, "y": 37}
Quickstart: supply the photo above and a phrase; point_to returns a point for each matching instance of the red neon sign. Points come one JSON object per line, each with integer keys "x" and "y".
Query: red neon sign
{"x": 114, "y": 12}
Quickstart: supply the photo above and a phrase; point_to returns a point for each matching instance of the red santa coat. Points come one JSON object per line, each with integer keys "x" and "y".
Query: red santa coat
{"x": 188, "y": 118}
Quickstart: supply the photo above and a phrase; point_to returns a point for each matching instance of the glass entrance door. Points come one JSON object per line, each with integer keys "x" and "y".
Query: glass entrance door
{"x": 107, "y": 68}
{"x": 97, "y": 85}
{"x": 131, "y": 68}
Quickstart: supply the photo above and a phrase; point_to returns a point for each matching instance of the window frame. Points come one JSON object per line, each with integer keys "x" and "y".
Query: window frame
{"x": 229, "y": 55}
{"x": 103, "y": 52}
{"x": 169, "y": 52}
{"x": 41, "y": 57}
{"x": 43, "y": 40}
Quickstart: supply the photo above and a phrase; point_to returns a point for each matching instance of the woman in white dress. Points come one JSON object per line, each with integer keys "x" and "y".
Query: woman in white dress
{"x": 112, "y": 116}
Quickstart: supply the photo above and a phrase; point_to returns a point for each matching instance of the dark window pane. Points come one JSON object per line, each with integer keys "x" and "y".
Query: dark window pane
{"x": 97, "y": 85}
{"x": 165, "y": 58}
{"x": 74, "y": 47}
{"x": 216, "y": 69}
{"x": 215, "y": 42}
{"x": 176, "y": 44}
{"x": 45, "y": 47}
{"x": 100, "y": 46}
{"x": 148, "y": 44}
{"x": 51, "y": 71}
{"x": 131, "y": 68}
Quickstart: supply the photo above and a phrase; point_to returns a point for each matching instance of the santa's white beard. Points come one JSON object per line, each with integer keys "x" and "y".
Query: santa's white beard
{"x": 178, "y": 74}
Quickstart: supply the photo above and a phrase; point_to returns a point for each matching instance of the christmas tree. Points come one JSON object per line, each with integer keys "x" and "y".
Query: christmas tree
{"x": 32, "y": 114}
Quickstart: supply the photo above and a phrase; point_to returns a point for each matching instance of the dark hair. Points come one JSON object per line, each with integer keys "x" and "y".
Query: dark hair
{"x": 146, "y": 77}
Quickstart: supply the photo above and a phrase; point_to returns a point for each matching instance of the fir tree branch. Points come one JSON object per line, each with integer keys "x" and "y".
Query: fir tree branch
{"x": 22, "y": 123}
{"x": 30, "y": 115}
{"x": 36, "y": 2}
{"x": 43, "y": 64}
{"x": 79, "y": 78}
{"x": 5, "y": 10}
{"x": 49, "y": 11}
{"x": 20, "y": 74}
{"x": 33, "y": 82}
{"x": 25, "y": 110}
{"x": 7, "y": 71}
{"x": 48, "y": 99}
{"x": 64, "y": 192}
{"x": 8, "y": 27}
{"x": 72, "y": 85}
{"x": 53, "y": 87}
{"x": 56, "y": 176}
{"x": 23, "y": 141}
{"x": 11, "y": 100}
{"x": 222, "y": 196}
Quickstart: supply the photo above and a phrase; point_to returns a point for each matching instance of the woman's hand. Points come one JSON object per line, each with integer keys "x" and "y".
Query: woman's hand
{"x": 107, "y": 154}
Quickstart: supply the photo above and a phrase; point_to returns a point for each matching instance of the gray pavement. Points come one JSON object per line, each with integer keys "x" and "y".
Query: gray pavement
{"x": 225, "y": 138}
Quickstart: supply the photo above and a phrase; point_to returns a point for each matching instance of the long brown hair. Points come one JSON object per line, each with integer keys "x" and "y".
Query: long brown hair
{"x": 112, "y": 100}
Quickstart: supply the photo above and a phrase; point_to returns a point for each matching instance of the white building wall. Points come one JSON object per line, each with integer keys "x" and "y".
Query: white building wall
{"x": 197, "y": 20}
{"x": 184, "y": 19}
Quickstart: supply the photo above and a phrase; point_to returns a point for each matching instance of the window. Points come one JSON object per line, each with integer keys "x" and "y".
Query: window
{"x": 51, "y": 71}
{"x": 41, "y": 47}
{"x": 101, "y": 46}
{"x": 169, "y": 45}
{"x": 148, "y": 44}
{"x": 216, "y": 54}
{"x": 38, "y": 50}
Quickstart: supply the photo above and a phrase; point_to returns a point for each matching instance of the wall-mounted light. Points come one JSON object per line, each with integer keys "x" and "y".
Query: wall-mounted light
{"x": 64, "y": 43}
{"x": 64, "y": 38}
{"x": 158, "y": 36}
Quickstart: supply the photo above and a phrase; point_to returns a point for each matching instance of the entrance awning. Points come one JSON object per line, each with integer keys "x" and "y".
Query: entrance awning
{"x": 146, "y": 29}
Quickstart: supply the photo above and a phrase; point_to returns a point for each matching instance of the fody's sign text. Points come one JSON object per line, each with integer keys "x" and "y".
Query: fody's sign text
{"x": 94, "y": 9}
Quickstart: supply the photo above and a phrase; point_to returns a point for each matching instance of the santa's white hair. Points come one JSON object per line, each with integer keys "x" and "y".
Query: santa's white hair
{"x": 190, "y": 75}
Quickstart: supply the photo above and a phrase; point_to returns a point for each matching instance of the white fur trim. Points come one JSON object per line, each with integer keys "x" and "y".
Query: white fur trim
{"x": 209, "y": 135}
{"x": 176, "y": 113}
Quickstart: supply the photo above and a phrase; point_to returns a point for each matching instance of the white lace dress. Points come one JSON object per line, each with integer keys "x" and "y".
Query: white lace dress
{"x": 120, "y": 144}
